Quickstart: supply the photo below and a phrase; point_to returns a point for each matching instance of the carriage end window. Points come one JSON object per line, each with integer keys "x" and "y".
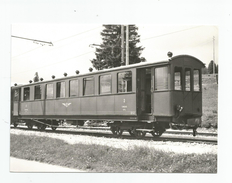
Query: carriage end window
{"x": 73, "y": 90}
{"x": 60, "y": 89}
{"x": 16, "y": 95}
{"x": 26, "y": 94}
{"x": 161, "y": 78}
{"x": 177, "y": 78}
{"x": 196, "y": 84}
{"x": 88, "y": 86}
{"x": 187, "y": 79}
{"x": 125, "y": 82}
{"x": 38, "y": 92}
{"x": 105, "y": 84}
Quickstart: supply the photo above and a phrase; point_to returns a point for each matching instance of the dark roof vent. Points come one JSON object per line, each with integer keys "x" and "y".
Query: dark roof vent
{"x": 169, "y": 54}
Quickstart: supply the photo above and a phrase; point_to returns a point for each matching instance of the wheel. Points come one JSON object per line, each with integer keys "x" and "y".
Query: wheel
{"x": 29, "y": 126}
{"x": 15, "y": 125}
{"x": 131, "y": 132}
{"x": 43, "y": 127}
{"x": 156, "y": 134}
{"x": 116, "y": 131}
{"x": 158, "y": 131}
{"x": 140, "y": 134}
{"x": 54, "y": 128}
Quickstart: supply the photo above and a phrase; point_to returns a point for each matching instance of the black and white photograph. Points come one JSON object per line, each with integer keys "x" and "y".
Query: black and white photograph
{"x": 124, "y": 91}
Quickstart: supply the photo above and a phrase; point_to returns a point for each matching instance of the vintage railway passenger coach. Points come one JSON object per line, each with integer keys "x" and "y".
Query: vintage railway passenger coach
{"x": 145, "y": 97}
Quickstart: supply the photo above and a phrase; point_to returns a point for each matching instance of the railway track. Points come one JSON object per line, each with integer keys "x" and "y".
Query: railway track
{"x": 105, "y": 132}
{"x": 167, "y": 132}
{"x": 177, "y": 132}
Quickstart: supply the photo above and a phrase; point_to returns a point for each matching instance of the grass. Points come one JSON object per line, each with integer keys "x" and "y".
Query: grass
{"x": 98, "y": 158}
{"x": 209, "y": 101}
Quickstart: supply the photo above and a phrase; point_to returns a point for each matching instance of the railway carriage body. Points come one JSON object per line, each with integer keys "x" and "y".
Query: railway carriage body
{"x": 151, "y": 96}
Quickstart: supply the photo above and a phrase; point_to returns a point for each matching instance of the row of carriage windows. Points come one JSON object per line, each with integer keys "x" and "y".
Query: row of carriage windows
{"x": 124, "y": 84}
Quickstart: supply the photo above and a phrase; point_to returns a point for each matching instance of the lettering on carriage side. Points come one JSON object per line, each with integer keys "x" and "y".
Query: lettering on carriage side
{"x": 25, "y": 109}
{"x": 124, "y": 108}
{"x": 66, "y": 104}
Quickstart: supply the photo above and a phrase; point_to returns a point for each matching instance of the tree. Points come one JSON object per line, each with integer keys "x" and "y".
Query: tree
{"x": 210, "y": 67}
{"x": 36, "y": 78}
{"x": 204, "y": 70}
{"x": 216, "y": 69}
{"x": 108, "y": 54}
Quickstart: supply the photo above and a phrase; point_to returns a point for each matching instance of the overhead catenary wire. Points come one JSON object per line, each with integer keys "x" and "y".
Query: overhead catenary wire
{"x": 93, "y": 51}
{"x": 54, "y": 63}
{"x": 56, "y": 41}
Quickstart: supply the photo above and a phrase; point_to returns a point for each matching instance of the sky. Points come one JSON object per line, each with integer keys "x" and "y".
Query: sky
{"x": 72, "y": 48}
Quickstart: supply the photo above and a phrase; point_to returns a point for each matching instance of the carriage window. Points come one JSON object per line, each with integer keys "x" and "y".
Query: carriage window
{"x": 38, "y": 92}
{"x": 60, "y": 89}
{"x": 49, "y": 91}
{"x": 177, "y": 78}
{"x": 16, "y": 95}
{"x": 73, "y": 88}
{"x": 196, "y": 84}
{"x": 187, "y": 79}
{"x": 88, "y": 87}
{"x": 105, "y": 84}
{"x": 26, "y": 94}
{"x": 161, "y": 78}
{"x": 125, "y": 82}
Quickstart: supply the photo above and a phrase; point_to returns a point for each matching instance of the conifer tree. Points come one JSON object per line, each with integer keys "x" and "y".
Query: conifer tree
{"x": 210, "y": 67}
{"x": 36, "y": 78}
{"x": 108, "y": 54}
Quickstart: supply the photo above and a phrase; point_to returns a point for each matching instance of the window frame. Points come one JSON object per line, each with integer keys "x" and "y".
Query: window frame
{"x": 100, "y": 86}
{"x": 174, "y": 77}
{"x": 29, "y": 89}
{"x": 16, "y": 98}
{"x": 187, "y": 69}
{"x": 51, "y": 84}
{"x": 84, "y": 85}
{"x": 199, "y": 80}
{"x": 127, "y": 85}
{"x": 63, "y": 96}
{"x": 40, "y": 89}
{"x": 77, "y": 88}
{"x": 155, "y": 81}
